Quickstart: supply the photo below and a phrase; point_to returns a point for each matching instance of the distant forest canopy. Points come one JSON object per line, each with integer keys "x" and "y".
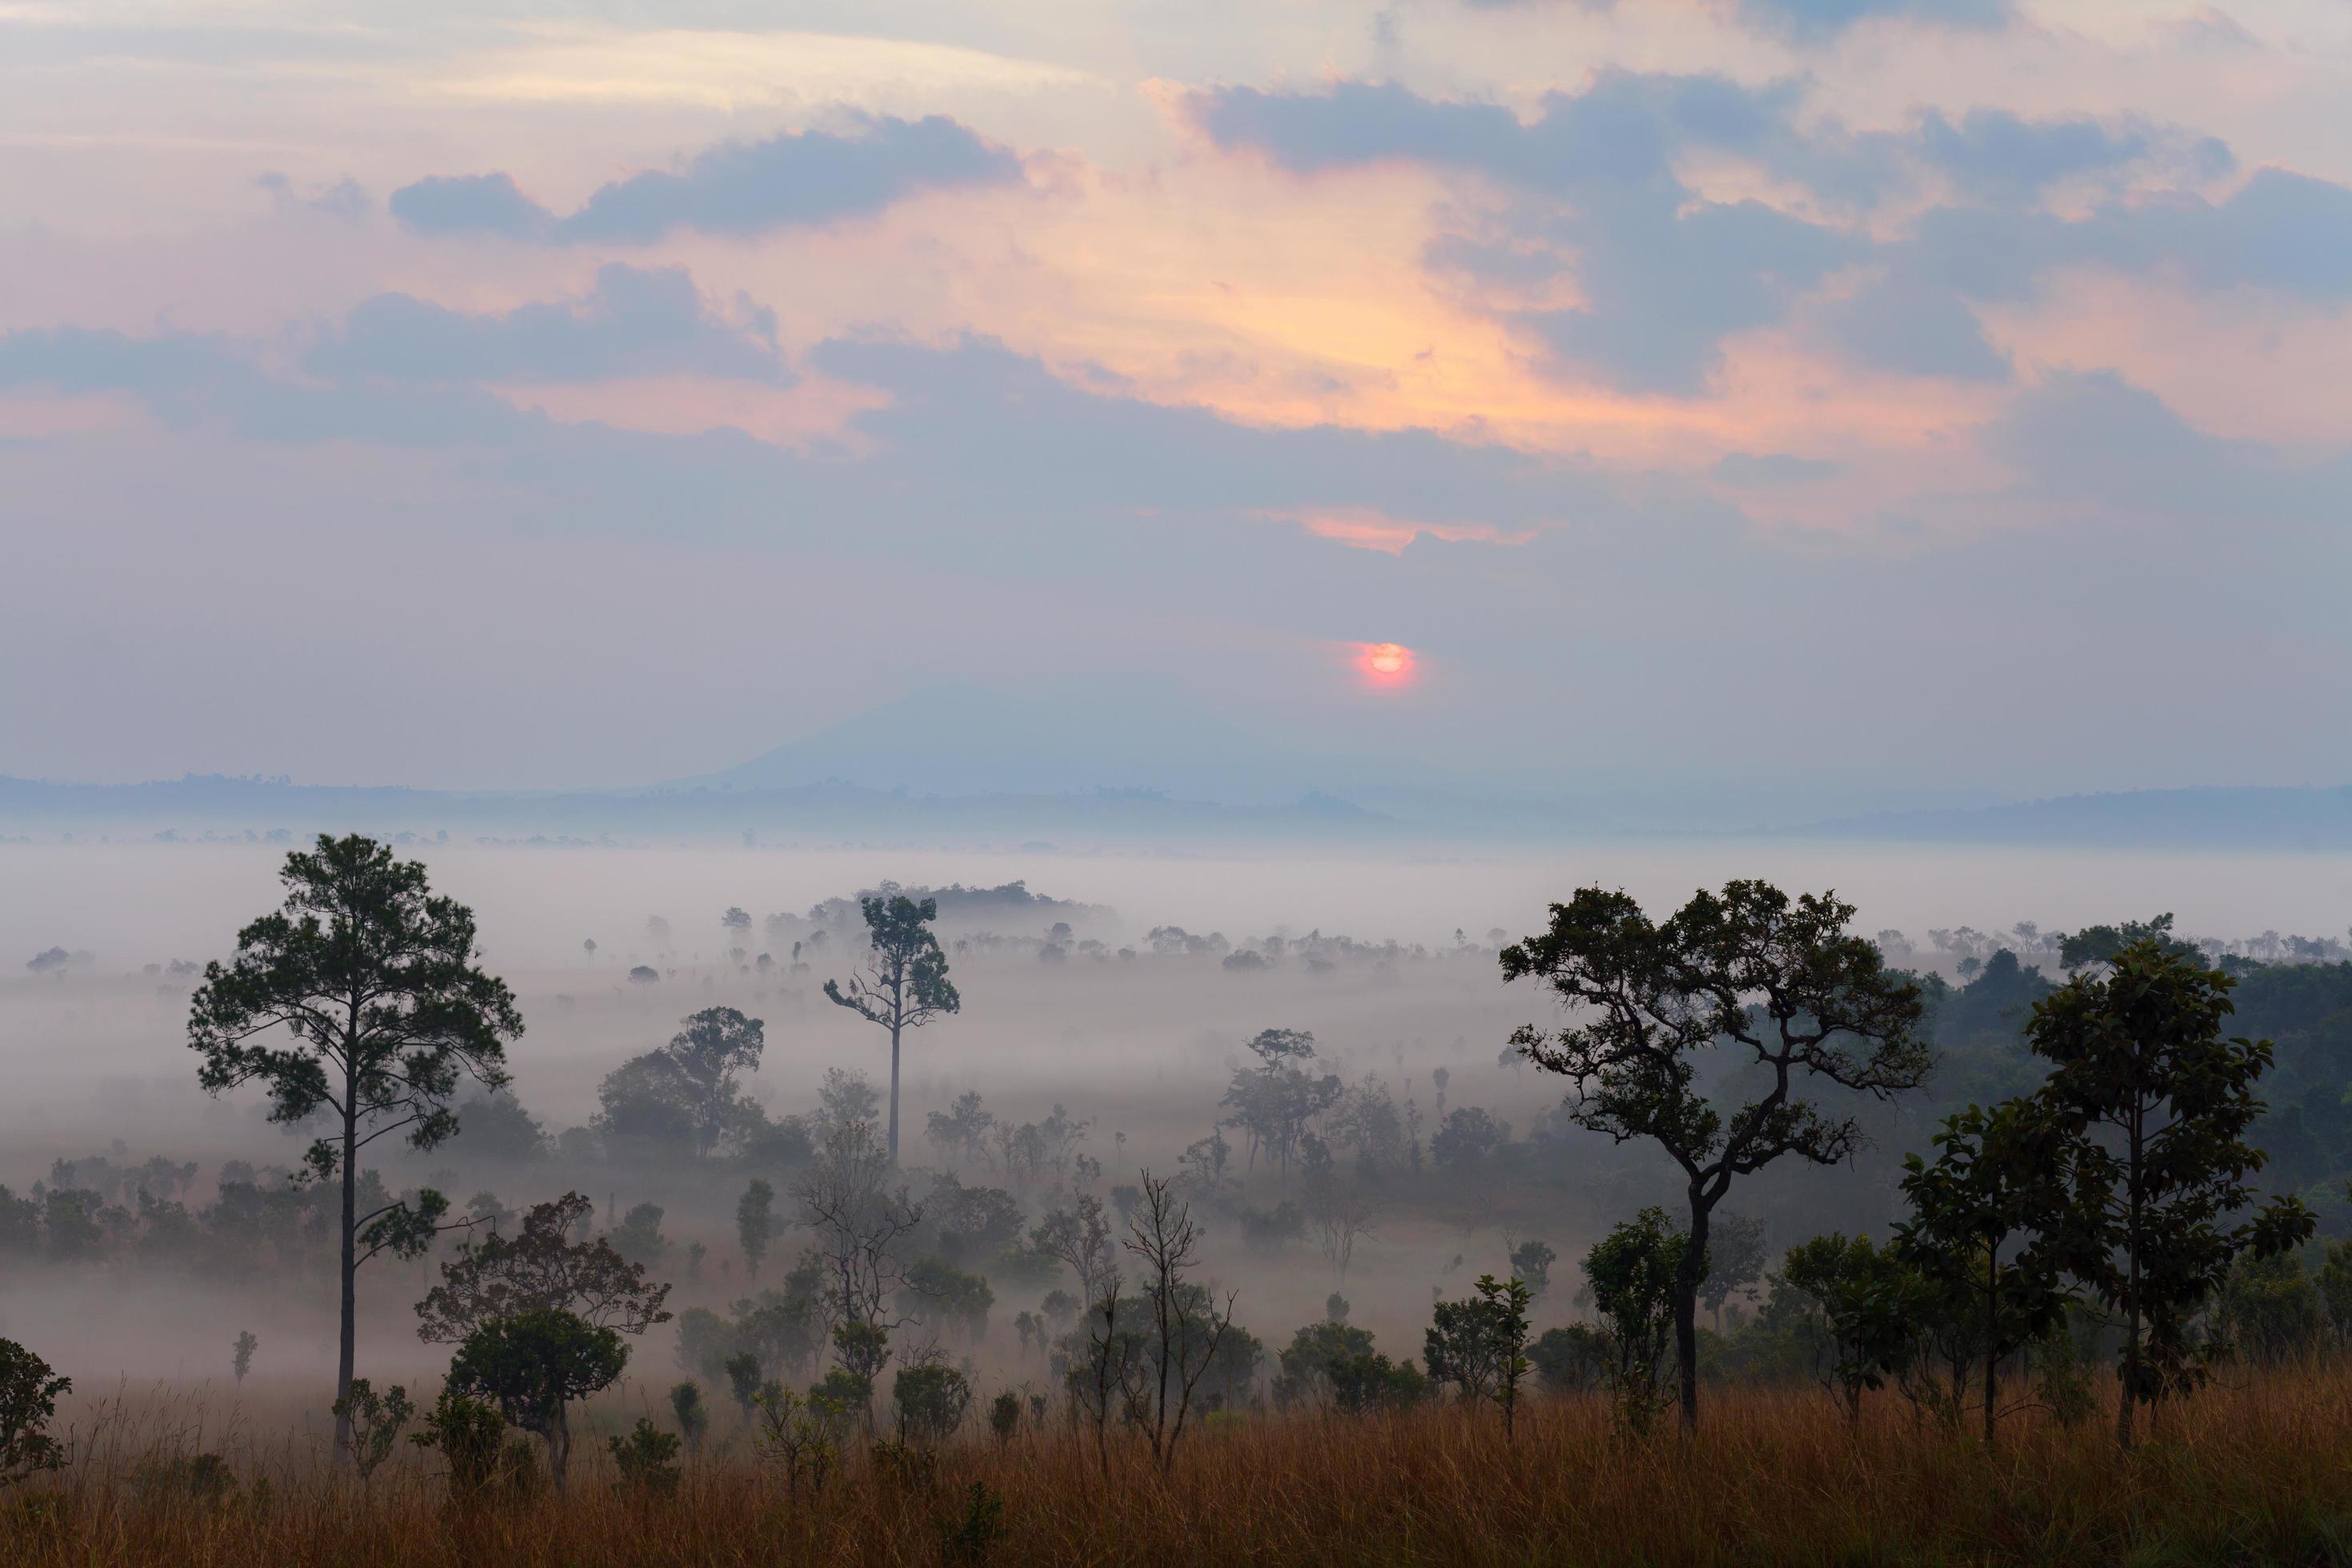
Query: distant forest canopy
{"x": 219, "y": 808}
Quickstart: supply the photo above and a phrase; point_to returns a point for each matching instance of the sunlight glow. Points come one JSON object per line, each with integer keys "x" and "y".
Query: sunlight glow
{"x": 1385, "y": 663}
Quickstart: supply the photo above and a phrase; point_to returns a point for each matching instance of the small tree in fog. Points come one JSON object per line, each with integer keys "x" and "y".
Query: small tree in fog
{"x": 535, "y": 1365}
{"x": 1080, "y": 1237}
{"x": 905, "y": 983}
{"x": 241, "y": 1359}
{"x": 1803, "y": 1000}
{"x": 1633, "y": 1270}
{"x": 693, "y": 1416}
{"x": 28, "y": 1403}
{"x": 376, "y": 1421}
{"x": 742, "y": 1370}
{"x": 1182, "y": 1323}
{"x": 369, "y": 982}
{"x": 755, "y": 1222}
{"x": 1532, "y": 1261}
{"x": 1735, "y": 1260}
{"x": 1480, "y": 1344}
{"x": 861, "y": 1223}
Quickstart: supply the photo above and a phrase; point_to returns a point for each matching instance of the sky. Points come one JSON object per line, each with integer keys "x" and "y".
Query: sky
{"x": 1915, "y": 395}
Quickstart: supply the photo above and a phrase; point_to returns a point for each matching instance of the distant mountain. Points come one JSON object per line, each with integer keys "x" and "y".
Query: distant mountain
{"x": 2219, "y": 817}
{"x": 958, "y": 740}
{"x": 211, "y": 807}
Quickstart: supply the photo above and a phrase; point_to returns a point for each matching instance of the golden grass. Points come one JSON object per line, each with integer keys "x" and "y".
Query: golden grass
{"x": 2258, "y": 1471}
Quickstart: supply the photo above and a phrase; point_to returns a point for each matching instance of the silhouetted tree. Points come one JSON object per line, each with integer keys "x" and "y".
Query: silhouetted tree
{"x": 905, "y": 984}
{"x": 372, "y": 979}
{"x": 534, "y": 1366}
{"x": 2153, "y": 1105}
{"x": 755, "y": 1222}
{"x": 28, "y": 1403}
{"x": 1783, "y": 979}
{"x": 1981, "y": 1217}
{"x": 540, "y": 1268}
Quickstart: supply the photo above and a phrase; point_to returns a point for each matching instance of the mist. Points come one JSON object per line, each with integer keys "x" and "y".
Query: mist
{"x": 1132, "y": 1019}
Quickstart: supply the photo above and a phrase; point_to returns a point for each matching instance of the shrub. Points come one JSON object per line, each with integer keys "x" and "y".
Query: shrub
{"x": 647, "y": 1458}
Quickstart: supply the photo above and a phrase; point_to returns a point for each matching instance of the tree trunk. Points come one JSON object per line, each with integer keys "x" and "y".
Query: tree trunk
{"x": 347, "y": 1347}
{"x": 1686, "y": 1283}
{"x": 893, "y": 1091}
{"x": 559, "y": 1448}
{"x": 2131, "y": 1301}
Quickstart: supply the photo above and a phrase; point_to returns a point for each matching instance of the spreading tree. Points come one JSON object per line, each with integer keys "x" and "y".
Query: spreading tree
{"x": 360, "y": 999}
{"x": 905, "y": 984}
{"x": 1807, "y": 1004}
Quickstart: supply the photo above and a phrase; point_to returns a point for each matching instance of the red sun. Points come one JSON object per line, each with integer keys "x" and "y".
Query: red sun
{"x": 1385, "y": 663}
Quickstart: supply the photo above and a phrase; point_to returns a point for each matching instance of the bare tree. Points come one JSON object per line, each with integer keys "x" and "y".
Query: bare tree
{"x": 844, "y": 1196}
{"x": 1080, "y": 1237}
{"x": 1185, "y": 1322}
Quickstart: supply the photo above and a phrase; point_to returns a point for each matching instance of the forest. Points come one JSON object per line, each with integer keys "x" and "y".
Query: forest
{"x": 1727, "y": 1230}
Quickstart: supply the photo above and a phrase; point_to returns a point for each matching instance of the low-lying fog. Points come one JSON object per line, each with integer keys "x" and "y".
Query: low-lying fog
{"x": 1140, "y": 1048}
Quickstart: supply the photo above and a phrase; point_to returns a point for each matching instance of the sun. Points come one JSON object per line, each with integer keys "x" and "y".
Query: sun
{"x": 1385, "y": 663}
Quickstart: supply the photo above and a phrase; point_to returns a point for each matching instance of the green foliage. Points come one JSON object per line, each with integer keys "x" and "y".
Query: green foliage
{"x": 905, "y": 984}
{"x": 799, "y": 1435}
{"x": 931, "y": 1400}
{"x": 743, "y": 1380}
{"x": 241, "y": 1353}
{"x": 638, "y": 1238}
{"x": 2103, "y": 943}
{"x": 1633, "y": 1272}
{"x": 693, "y": 1416}
{"x": 540, "y": 1268}
{"x": 2335, "y": 1287}
{"x": 376, "y": 1421}
{"x": 1572, "y": 1359}
{"x": 946, "y": 1298}
{"x": 1532, "y": 1261}
{"x": 471, "y": 1435}
{"x": 1735, "y": 1259}
{"x": 647, "y": 1458}
{"x": 533, "y": 1365}
{"x": 1979, "y": 1238}
{"x": 1004, "y": 1416}
{"x": 2270, "y": 1309}
{"x": 1479, "y": 1344}
{"x": 755, "y": 1222}
{"x": 970, "y": 1538}
{"x": 1333, "y": 1365}
{"x": 28, "y": 1403}
{"x": 1864, "y": 1302}
{"x": 372, "y": 978}
{"x": 2153, "y": 1105}
{"x": 1804, "y": 1003}
{"x": 688, "y": 1096}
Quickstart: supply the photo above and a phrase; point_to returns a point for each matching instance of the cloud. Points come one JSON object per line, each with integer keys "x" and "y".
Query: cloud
{"x": 1818, "y": 21}
{"x": 1773, "y": 468}
{"x": 1995, "y": 156}
{"x": 1663, "y": 276}
{"x": 471, "y": 204}
{"x": 805, "y": 178}
{"x": 1899, "y": 323}
{"x": 633, "y": 322}
{"x": 346, "y": 198}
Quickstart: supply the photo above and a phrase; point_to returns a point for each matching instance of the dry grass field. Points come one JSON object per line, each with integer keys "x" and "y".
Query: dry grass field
{"x": 2255, "y": 1470}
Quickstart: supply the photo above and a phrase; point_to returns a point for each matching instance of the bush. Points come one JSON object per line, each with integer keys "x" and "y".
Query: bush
{"x": 932, "y": 1401}
{"x": 647, "y": 1458}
